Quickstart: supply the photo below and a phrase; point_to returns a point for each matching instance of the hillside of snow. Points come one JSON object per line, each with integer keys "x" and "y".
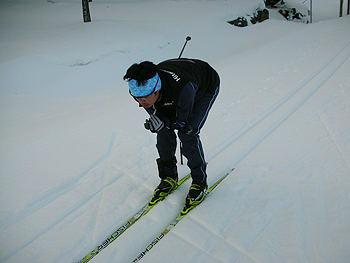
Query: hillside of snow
{"x": 76, "y": 162}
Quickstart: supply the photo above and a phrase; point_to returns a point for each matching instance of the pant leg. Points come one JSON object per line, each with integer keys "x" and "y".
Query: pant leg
{"x": 191, "y": 144}
{"x": 193, "y": 151}
{"x": 201, "y": 109}
{"x": 166, "y": 146}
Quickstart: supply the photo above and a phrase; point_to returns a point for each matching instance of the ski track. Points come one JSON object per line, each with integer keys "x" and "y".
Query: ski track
{"x": 334, "y": 141}
{"x": 293, "y": 101}
{"x": 303, "y": 214}
{"x": 53, "y": 194}
{"x": 278, "y": 114}
{"x": 208, "y": 229}
{"x": 328, "y": 69}
{"x": 199, "y": 248}
{"x": 256, "y": 239}
{"x": 302, "y": 94}
{"x": 297, "y": 98}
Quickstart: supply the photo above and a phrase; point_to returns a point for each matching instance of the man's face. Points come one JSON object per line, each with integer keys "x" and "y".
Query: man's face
{"x": 148, "y": 102}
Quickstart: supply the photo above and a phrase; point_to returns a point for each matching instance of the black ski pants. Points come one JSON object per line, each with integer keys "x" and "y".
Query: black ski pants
{"x": 191, "y": 143}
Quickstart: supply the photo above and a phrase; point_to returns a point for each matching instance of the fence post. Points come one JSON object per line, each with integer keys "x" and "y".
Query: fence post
{"x": 311, "y": 11}
{"x": 86, "y": 11}
{"x": 341, "y": 8}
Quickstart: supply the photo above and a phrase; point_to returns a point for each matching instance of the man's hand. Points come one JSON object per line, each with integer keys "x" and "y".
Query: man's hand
{"x": 154, "y": 124}
{"x": 185, "y": 128}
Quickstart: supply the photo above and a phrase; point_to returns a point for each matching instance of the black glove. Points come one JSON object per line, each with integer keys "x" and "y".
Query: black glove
{"x": 187, "y": 129}
{"x": 154, "y": 124}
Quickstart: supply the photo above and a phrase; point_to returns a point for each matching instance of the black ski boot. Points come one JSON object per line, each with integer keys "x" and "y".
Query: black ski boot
{"x": 167, "y": 183}
{"x": 196, "y": 195}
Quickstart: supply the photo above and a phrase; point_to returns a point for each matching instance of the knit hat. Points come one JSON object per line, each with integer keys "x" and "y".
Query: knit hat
{"x": 151, "y": 86}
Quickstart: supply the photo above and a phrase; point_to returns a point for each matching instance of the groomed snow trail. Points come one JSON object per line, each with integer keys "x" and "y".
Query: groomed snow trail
{"x": 76, "y": 162}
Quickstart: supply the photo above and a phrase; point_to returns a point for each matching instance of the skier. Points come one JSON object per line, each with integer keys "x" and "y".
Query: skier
{"x": 177, "y": 94}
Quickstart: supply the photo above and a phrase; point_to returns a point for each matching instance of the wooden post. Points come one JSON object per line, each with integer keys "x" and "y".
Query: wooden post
{"x": 310, "y": 11}
{"x": 341, "y": 8}
{"x": 86, "y": 11}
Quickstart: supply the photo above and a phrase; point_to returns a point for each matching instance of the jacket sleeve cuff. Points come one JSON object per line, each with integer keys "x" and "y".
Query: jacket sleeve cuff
{"x": 181, "y": 123}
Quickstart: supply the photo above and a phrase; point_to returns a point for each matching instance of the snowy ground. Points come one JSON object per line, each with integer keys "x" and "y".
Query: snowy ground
{"x": 76, "y": 163}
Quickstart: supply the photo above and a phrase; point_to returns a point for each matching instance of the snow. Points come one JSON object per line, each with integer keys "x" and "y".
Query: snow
{"x": 76, "y": 163}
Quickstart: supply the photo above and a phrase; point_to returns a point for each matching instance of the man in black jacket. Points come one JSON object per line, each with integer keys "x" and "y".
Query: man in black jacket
{"x": 178, "y": 95}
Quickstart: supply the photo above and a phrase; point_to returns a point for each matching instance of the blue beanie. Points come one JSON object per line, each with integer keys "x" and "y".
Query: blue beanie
{"x": 151, "y": 86}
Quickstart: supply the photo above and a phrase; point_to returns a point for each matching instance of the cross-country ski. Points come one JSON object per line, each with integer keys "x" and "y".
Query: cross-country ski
{"x": 143, "y": 211}
{"x": 182, "y": 214}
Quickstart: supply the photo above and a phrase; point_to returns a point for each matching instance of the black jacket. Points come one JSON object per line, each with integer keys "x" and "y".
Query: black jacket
{"x": 175, "y": 74}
